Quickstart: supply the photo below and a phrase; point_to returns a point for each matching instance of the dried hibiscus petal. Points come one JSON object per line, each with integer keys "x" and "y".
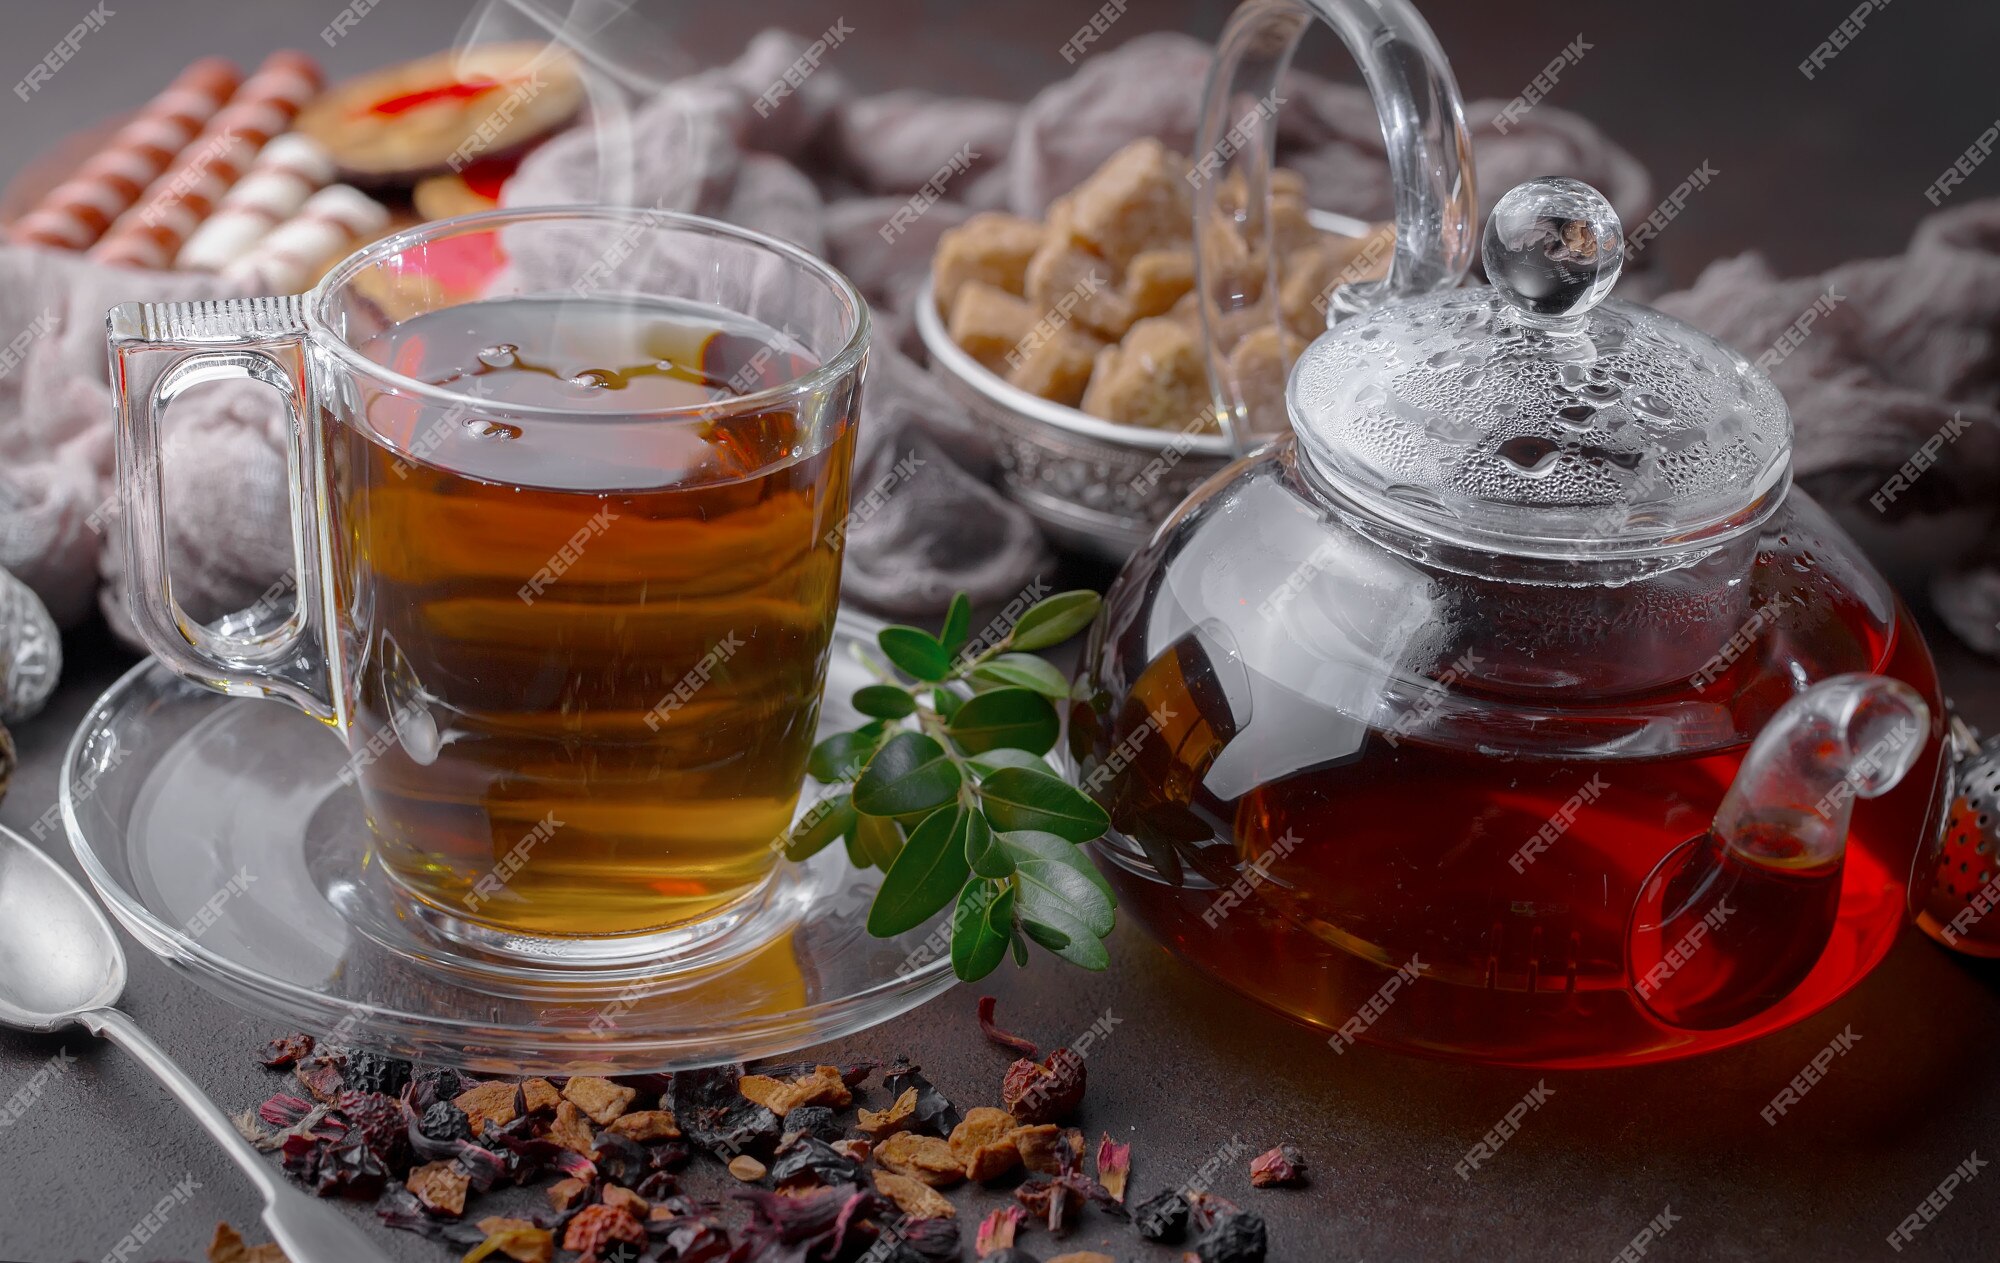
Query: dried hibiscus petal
{"x": 285, "y": 1051}
{"x": 991, "y": 1029}
{"x": 1283, "y": 1166}
{"x": 1114, "y": 1166}
{"x": 808, "y": 1160}
{"x": 996, "y": 1231}
{"x": 934, "y": 1112}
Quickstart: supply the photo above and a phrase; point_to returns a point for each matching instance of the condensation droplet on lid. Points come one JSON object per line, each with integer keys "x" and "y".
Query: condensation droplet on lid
{"x": 1530, "y": 453}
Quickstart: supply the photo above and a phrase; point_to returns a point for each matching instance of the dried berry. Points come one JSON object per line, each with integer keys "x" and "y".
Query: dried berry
{"x": 1237, "y": 1238}
{"x": 1045, "y": 1092}
{"x": 1163, "y": 1217}
{"x": 817, "y": 1121}
{"x": 284, "y": 1052}
{"x": 429, "y": 1084}
{"x": 336, "y": 1168}
{"x": 716, "y": 1116}
{"x": 377, "y": 1121}
{"x": 364, "y": 1071}
{"x": 1283, "y": 1166}
{"x": 445, "y": 1121}
{"x": 594, "y": 1228}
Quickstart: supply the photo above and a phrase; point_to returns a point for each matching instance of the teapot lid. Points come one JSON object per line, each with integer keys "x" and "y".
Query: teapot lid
{"x": 1531, "y": 417}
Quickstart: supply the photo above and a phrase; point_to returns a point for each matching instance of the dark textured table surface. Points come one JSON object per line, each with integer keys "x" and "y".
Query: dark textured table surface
{"x": 1828, "y": 169}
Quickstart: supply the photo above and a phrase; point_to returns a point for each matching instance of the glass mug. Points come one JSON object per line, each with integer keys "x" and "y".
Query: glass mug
{"x": 567, "y": 490}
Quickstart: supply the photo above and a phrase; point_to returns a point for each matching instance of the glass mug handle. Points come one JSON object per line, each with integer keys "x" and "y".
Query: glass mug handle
{"x": 1423, "y": 128}
{"x": 158, "y": 351}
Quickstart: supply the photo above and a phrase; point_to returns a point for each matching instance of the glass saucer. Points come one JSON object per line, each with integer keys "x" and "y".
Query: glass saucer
{"x": 218, "y": 831}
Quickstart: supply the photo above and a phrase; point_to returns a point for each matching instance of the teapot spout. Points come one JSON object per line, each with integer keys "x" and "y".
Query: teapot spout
{"x": 1731, "y": 922}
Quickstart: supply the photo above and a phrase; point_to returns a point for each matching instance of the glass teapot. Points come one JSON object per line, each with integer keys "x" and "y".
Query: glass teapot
{"x": 1513, "y": 705}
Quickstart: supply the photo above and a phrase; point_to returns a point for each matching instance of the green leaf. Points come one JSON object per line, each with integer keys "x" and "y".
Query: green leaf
{"x": 825, "y": 820}
{"x": 1019, "y": 719}
{"x": 917, "y": 652}
{"x": 945, "y": 702}
{"x": 1053, "y": 620}
{"x": 1020, "y": 950}
{"x": 1046, "y": 935}
{"x": 992, "y": 761}
{"x": 1023, "y": 670}
{"x": 842, "y": 756}
{"x": 925, "y": 877}
{"x": 977, "y": 947}
{"x": 910, "y": 774}
{"x": 1017, "y": 798}
{"x": 1079, "y": 946}
{"x": 1052, "y": 874}
{"x": 987, "y": 858}
{"x": 876, "y": 843}
{"x": 957, "y": 625}
{"x": 884, "y": 701}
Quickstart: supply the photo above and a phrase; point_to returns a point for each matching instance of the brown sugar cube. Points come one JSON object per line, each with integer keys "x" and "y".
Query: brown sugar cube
{"x": 1157, "y": 279}
{"x": 540, "y": 1094}
{"x": 491, "y": 1102}
{"x": 572, "y": 1130}
{"x": 1290, "y": 226}
{"x": 1057, "y": 367}
{"x": 1139, "y": 199}
{"x": 1156, "y": 377}
{"x": 645, "y": 1125}
{"x": 989, "y": 247}
{"x": 440, "y": 1186}
{"x": 823, "y": 1086}
{"x": 913, "y": 1197}
{"x": 988, "y": 322}
{"x": 1286, "y": 182}
{"x": 1258, "y": 365}
{"x": 1309, "y": 275}
{"x": 602, "y": 1099}
{"x": 1069, "y": 284}
{"x": 926, "y": 1158}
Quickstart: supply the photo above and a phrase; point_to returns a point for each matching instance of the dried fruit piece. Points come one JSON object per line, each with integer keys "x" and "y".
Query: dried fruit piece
{"x": 926, "y": 1158}
{"x": 823, "y": 1086}
{"x": 228, "y": 1247}
{"x": 746, "y": 1168}
{"x": 440, "y": 1186}
{"x": 539, "y": 1094}
{"x": 595, "y": 1227}
{"x": 1049, "y": 1202}
{"x": 935, "y": 1114}
{"x": 996, "y": 1231}
{"x": 898, "y": 1117}
{"x": 602, "y": 1099}
{"x": 567, "y": 1192}
{"x": 1237, "y": 1238}
{"x": 627, "y": 1200}
{"x": 1114, "y": 1166}
{"x": 853, "y": 1150}
{"x": 645, "y": 1125}
{"x": 286, "y": 1051}
{"x": 990, "y": 1162}
{"x": 489, "y": 1104}
{"x": 916, "y": 1198}
{"x": 1163, "y": 1217}
{"x": 1083, "y": 1256}
{"x": 807, "y": 1161}
{"x": 1044, "y": 1092}
{"x": 1281, "y": 1167}
{"x": 518, "y": 1239}
{"x": 990, "y": 248}
{"x": 571, "y": 1130}
{"x": 445, "y": 1122}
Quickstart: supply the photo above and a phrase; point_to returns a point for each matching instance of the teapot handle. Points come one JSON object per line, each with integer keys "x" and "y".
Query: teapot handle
{"x": 1430, "y": 163}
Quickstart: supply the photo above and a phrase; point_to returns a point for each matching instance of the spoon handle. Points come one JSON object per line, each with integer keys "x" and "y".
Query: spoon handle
{"x": 310, "y": 1231}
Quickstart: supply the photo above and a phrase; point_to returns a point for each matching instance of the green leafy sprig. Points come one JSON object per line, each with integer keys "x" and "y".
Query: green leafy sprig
{"x": 945, "y": 789}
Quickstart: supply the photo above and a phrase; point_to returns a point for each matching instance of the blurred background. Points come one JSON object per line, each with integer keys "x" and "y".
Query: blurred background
{"x": 1811, "y": 171}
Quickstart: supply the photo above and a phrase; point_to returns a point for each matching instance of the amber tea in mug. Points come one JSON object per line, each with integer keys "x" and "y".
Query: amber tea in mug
{"x": 579, "y": 565}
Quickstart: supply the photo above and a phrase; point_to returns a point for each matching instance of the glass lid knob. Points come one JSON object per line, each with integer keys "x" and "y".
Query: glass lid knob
{"x": 1553, "y": 249}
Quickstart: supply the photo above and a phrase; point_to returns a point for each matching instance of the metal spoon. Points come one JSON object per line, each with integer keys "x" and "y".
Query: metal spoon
{"x": 60, "y": 965}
